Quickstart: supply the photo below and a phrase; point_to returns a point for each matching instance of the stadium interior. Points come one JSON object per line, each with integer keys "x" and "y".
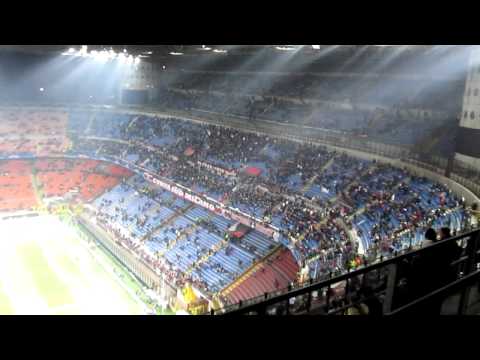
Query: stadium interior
{"x": 272, "y": 179}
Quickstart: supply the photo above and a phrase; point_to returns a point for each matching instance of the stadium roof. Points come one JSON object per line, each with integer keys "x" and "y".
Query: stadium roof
{"x": 251, "y": 57}
{"x": 163, "y": 50}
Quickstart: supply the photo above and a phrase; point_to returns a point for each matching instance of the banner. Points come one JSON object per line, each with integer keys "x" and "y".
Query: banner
{"x": 213, "y": 206}
{"x": 216, "y": 169}
{"x": 180, "y": 191}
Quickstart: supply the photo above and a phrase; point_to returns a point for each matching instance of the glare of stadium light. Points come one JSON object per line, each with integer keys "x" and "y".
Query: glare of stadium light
{"x": 205, "y": 48}
{"x": 137, "y": 60}
{"x": 71, "y": 50}
{"x": 83, "y": 51}
{"x": 285, "y": 48}
{"x": 102, "y": 56}
{"x": 124, "y": 50}
{"x": 111, "y": 54}
{"x": 164, "y": 67}
{"x": 175, "y": 53}
{"x": 148, "y": 52}
{"x": 316, "y": 47}
{"x": 42, "y": 89}
{"x": 122, "y": 58}
{"x": 220, "y": 51}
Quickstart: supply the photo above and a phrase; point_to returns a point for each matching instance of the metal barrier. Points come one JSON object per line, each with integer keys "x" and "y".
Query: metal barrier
{"x": 387, "y": 286}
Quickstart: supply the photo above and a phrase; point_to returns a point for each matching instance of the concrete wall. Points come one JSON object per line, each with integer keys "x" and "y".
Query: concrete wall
{"x": 470, "y": 116}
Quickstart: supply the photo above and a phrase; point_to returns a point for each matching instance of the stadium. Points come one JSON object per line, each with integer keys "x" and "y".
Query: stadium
{"x": 224, "y": 179}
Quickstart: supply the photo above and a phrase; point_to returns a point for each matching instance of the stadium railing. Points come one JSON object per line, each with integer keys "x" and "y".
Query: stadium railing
{"x": 389, "y": 284}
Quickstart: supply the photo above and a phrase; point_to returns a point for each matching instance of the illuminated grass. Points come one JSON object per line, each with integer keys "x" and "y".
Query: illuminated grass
{"x": 48, "y": 284}
{"x": 46, "y": 269}
{"x": 5, "y": 305}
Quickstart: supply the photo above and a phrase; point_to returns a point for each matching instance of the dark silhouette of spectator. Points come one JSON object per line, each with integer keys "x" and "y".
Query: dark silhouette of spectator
{"x": 366, "y": 303}
{"x": 371, "y": 302}
{"x": 433, "y": 271}
{"x": 445, "y": 233}
{"x": 445, "y": 255}
{"x": 430, "y": 237}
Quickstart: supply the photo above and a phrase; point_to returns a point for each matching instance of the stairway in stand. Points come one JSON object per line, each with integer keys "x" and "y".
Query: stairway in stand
{"x": 311, "y": 181}
{"x": 250, "y": 271}
{"x": 222, "y": 244}
{"x": 167, "y": 221}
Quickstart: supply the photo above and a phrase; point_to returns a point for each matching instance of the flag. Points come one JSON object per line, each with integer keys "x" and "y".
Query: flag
{"x": 189, "y": 151}
{"x": 238, "y": 230}
{"x": 253, "y": 171}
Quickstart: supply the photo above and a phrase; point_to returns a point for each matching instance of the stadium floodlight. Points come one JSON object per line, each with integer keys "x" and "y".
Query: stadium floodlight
{"x": 102, "y": 56}
{"x": 205, "y": 48}
{"x": 316, "y": 47}
{"x": 122, "y": 58}
{"x": 164, "y": 67}
{"x": 285, "y": 48}
{"x": 42, "y": 89}
{"x": 176, "y": 53}
{"x": 83, "y": 51}
{"x": 220, "y": 51}
{"x": 71, "y": 50}
{"x": 137, "y": 60}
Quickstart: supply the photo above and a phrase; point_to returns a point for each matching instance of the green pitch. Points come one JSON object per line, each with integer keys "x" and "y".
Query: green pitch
{"x": 46, "y": 269}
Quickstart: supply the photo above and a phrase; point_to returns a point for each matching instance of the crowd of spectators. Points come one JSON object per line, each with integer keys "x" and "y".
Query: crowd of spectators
{"x": 398, "y": 111}
{"x": 322, "y": 201}
{"x": 302, "y": 189}
{"x": 328, "y": 207}
{"x": 374, "y": 90}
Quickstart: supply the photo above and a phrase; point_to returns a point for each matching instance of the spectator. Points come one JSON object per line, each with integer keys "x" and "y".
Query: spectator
{"x": 445, "y": 254}
{"x": 383, "y": 198}
{"x": 445, "y": 233}
{"x": 369, "y": 305}
{"x": 430, "y": 237}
